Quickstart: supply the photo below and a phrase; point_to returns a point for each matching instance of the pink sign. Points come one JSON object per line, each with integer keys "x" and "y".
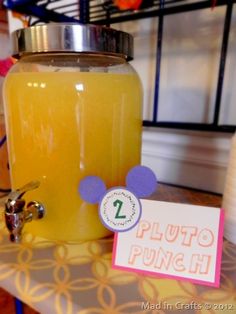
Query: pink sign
{"x": 172, "y": 240}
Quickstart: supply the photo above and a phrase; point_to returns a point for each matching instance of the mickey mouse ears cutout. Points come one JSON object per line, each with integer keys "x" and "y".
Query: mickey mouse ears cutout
{"x": 91, "y": 189}
{"x": 140, "y": 180}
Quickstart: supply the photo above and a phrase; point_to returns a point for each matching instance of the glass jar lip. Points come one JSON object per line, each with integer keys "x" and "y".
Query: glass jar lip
{"x": 71, "y": 37}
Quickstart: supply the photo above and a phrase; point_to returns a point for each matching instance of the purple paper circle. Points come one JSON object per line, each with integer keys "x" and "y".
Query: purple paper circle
{"x": 91, "y": 189}
{"x": 141, "y": 180}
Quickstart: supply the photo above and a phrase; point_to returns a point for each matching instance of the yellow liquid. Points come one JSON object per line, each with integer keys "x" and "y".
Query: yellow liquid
{"x": 63, "y": 126}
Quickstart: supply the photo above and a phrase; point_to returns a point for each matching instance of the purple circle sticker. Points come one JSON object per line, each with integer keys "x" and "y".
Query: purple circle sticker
{"x": 120, "y": 210}
{"x": 142, "y": 181}
{"x": 91, "y": 189}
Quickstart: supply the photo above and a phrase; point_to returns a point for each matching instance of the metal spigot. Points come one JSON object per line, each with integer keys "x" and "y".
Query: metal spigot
{"x": 16, "y": 215}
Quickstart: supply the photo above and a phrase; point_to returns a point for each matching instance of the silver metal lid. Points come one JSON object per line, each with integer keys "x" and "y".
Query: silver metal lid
{"x": 67, "y": 37}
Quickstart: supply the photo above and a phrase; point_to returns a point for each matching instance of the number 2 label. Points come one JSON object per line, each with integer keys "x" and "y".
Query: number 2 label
{"x": 118, "y": 203}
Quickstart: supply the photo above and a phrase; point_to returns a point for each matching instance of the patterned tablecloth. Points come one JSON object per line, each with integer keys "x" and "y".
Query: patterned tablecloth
{"x": 76, "y": 278}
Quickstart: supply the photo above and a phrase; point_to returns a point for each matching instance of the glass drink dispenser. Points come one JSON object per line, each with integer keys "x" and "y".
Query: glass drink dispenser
{"x": 72, "y": 109}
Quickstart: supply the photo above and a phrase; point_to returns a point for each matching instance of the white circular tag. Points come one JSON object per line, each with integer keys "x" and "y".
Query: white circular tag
{"x": 120, "y": 210}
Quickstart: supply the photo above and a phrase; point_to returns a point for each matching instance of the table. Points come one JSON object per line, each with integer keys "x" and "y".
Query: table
{"x": 76, "y": 278}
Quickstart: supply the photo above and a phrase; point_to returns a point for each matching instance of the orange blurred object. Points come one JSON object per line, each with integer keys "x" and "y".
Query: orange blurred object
{"x": 128, "y": 4}
{"x": 21, "y": 17}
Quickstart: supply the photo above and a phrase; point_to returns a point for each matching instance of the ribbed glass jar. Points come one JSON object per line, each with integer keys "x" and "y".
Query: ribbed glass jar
{"x": 70, "y": 114}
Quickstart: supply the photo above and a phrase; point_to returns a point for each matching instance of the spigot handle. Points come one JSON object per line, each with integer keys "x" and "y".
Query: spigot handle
{"x": 17, "y": 194}
{"x": 15, "y": 213}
